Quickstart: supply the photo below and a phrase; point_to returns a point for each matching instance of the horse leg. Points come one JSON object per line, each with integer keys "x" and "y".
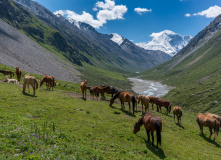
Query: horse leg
{"x": 152, "y": 145}
{"x": 24, "y": 87}
{"x": 148, "y": 135}
{"x": 129, "y": 105}
{"x": 28, "y": 88}
{"x": 211, "y": 132}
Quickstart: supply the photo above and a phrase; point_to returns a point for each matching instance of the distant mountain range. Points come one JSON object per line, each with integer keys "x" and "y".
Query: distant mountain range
{"x": 81, "y": 43}
{"x": 166, "y": 41}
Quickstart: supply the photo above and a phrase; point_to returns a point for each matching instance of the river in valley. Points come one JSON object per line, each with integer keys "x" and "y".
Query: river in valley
{"x": 149, "y": 88}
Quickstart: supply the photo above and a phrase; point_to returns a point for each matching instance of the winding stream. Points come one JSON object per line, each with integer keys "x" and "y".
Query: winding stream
{"x": 150, "y": 88}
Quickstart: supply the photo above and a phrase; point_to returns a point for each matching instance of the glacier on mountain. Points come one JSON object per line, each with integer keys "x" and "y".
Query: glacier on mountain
{"x": 166, "y": 41}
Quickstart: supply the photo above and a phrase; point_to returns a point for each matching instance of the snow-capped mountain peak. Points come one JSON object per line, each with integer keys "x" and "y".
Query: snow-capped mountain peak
{"x": 117, "y": 38}
{"x": 166, "y": 41}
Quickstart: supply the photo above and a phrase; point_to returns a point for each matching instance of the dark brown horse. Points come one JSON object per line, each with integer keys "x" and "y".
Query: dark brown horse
{"x": 5, "y": 72}
{"x": 210, "y": 122}
{"x": 178, "y": 112}
{"x": 124, "y": 97}
{"x": 110, "y": 90}
{"x": 83, "y": 86}
{"x": 49, "y": 80}
{"x": 151, "y": 123}
{"x": 93, "y": 92}
{"x": 163, "y": 103}
{"x": 18, "y": 73}
{"x": 153, "y": 100}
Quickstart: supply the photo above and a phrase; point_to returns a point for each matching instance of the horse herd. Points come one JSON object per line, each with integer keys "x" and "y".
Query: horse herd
{"x": 152, "y": 123}
{"x": 49, "y": 80}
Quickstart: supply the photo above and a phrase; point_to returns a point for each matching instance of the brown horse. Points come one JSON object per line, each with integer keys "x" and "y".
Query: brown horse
{"x": 100, "y": 90}
{"x": 93, "y": 92}
{"x": 110, "y": 90}
{"x": 30, "y": 80}
{"x": 124, "y": 97}
{"x": 210, "y": 122}
{"x": 153, "y": 100}
{"x": 18, "y": 73}
{"x": 5, "y": 72}
{"x": 163, "y": 103}
{"x": 218, "y": 118}
{"x": 151, "y": 123}
{"x": 144, "y": 101}
{"x": 178, "y": 112}
{"x": 83, "y": 86}
{"x": 49, "y": 80}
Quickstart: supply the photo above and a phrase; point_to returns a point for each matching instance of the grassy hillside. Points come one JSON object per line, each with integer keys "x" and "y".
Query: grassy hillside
{"x": 59, "y": 124}
{"x": 197, "y": 78}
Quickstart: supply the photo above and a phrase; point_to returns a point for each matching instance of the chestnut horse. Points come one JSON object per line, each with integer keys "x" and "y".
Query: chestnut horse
{"x": 5, "y": 72}
{"x": 144, "y": 101}
{"x": 110, "y": 90}
{"x": 153, "y": 100}
{"x": 210, "y": 122}
{"x": 30, "y": 80}
{"x": 218, "y": 118}
{"x": 163, "y": 103}
{"x": 83, "y": 86}
{"x": 100, "y": 90}
{"x": 18, "y": 73}
{"x": 151, "y": 123}
{"x": 124, "y": 97}
{"x": 178, "y": 112}
{"x": 49, "y": 80}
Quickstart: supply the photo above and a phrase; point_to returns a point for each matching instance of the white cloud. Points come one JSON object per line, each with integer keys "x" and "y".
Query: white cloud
{"x": 107, "y": 10}
{"x": 187, "y": 15}
{"x": 142, "y": 10}
{"x": 211, "y": 12}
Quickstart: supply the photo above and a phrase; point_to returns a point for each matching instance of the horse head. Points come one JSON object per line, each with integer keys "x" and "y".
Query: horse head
{"x": 136, "y": 128}
{"x": 111, "y": 101}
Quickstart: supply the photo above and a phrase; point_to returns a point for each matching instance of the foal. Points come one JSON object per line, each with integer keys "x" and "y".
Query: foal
{"x": 11, "y": 80}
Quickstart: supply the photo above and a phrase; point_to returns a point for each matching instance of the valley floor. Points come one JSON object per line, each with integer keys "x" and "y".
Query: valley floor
{"x": 60, "y": 124}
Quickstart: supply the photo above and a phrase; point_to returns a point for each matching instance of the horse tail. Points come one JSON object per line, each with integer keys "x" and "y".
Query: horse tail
{"x": 133, "y": 102}
{"x": 169, "y": 108}
{"x": 13, "y": 74}
{"x": 158, "y": 130}
{"x": 180, "y": 115}
{"x": 216, "y": 128}
{"x": 36, "y": 82}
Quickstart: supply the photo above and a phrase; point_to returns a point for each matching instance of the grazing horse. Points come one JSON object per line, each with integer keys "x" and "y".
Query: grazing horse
{"x": 100, "y": 90}
{"x": 151, "y": 123}
{"x": 83, "y": 86}
{"x": 178, "y": 112}
{"x": 124, "y": 97}
{"x": 144, "y": 101}
{"x": 93, "y": 92}
{"x": 49, "y": 80}
{"x": 30, "y": 80}
{"x": 210, "y": 122}
{"x": 163, "y": 103}
{"x": 110, "y": 90}
{"x": 18, "y": 73}
{"x": 7, "y": 73}
{"x": 218, "y": 118}
{"x": 153, "y": 100}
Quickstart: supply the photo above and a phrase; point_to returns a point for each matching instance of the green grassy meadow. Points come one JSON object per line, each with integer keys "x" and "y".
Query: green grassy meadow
{"x": 60, "y": 124}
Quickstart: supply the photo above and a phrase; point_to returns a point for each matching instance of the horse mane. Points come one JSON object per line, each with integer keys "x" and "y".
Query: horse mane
{"x": 116, "y": 95}
{"x": 42, "y": 80}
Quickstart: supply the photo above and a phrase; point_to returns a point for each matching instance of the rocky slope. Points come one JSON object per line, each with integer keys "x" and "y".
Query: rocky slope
{"x": 19, "y": 50}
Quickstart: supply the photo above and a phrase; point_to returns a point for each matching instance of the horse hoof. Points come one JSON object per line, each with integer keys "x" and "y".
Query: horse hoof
{"x": 156, "y": 149}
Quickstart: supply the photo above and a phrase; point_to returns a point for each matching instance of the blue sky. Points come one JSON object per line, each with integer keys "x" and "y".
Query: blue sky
{"x": 136, "y": 20}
